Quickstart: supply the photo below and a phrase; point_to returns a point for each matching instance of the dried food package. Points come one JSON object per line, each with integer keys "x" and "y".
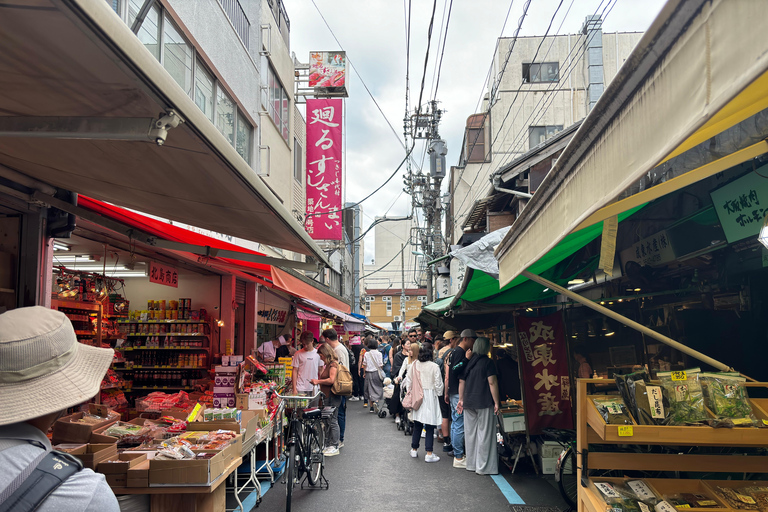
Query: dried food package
{"x": 760, "y": 495}
{"x": 626, "y": 385}
{"x": 622, "y": 499}
{"x": 646, "y": 401}
{"x": 735, "y": 498}
{"x": 691, "y": 500}
{"x": 613, "y": 410}
{"x": 686, "y": 398}
{"x": 726, "y": 396}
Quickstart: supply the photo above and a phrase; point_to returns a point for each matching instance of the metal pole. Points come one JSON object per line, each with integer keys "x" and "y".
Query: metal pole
{"x": 403, "y": 307}
{"x": 629, "y": 323}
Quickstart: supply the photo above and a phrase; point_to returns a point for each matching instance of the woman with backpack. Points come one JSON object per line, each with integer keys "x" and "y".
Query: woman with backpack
{"x": 386, "y": 351}
{"x": 427, "y": 415}
{"x": 325, "y": 380}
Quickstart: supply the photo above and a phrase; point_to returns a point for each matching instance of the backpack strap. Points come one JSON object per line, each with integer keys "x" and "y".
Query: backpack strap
{"x": 38, "y": 480}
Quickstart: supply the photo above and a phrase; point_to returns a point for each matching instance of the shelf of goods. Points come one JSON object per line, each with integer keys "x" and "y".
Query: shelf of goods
{"x": 162, "y": 354}
{"x": 612, "y": 458}
{"x": 85, "y": 317}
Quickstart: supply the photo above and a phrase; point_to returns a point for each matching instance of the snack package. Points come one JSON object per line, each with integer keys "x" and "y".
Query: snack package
{"x": 760, "y": 495}
{"x": 690, "y": 500}
{"x": 646, "y": 401}
{"x": 726, "y": 396}
{"x": 686, "y": 398}
{"x": 175, "y": 449}
{"x": 621, "y": 498}
{"x": 613, "y": 410}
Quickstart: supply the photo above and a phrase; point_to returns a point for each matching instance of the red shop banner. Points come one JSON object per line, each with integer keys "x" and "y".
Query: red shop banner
{"x": 324, "y": 169}
{"x": 543, "y": 359}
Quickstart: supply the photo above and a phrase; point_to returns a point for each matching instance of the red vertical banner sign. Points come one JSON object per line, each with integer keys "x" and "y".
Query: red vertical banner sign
{"x": 324, "y": 153}
{"x": 543, "y": 359}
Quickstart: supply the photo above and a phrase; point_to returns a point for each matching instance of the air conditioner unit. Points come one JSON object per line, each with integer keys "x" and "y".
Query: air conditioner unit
{"x": 397, "y": 319}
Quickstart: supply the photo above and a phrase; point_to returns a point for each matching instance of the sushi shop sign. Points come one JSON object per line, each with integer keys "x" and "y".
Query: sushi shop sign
{"x": 161, "y": 273}
{"x": 544, "y": 364}
{"x": 742, "y": 204}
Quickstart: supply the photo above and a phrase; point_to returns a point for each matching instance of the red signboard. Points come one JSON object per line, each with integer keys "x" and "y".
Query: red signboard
{"x": 161, "y": 273}
{"x": 324, "y": 169}
{"x": 543, "y": 359}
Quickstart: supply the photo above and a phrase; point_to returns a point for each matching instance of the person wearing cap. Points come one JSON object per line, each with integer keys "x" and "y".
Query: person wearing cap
{"x": 457, "y": 362}
{"x": 448, "y": 342}
{"x": 44, "y": 371}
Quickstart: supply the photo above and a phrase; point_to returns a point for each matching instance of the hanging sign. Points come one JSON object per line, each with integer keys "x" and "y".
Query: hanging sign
{"x": 323, "y": 221}
{"x": 543, "y": 361}
{"x": 653, "y": 250}
{"x": 161, "y": 273}
{"x": 742, "y": 204}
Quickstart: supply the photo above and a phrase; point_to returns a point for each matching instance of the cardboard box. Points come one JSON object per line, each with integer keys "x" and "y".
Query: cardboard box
{"x": 250, "y": 421}
{"x": 138, "y": 476}
{"x": 121, "y": 464}
{"x": 223, "y": 390}
{"x": 226, "y": 369}
{"x": 117, "y": 480}
{"x": 223, "y": 400}
{"x": 192, "y": 472}
{"x": 91, "y": 454}
{"x": 257, "y": 399}
{"x": 68, "y": 430}
{"x": 241, "y": 401}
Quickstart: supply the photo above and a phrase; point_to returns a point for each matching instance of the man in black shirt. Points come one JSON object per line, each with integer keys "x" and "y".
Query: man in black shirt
{"x": 457, "y": 362}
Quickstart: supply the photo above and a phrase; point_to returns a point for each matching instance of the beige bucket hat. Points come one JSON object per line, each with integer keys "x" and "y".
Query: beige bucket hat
{"x": 43, "y": 368}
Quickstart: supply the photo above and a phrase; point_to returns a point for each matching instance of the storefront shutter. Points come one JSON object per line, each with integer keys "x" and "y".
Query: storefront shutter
{"x": 240, "y": 292}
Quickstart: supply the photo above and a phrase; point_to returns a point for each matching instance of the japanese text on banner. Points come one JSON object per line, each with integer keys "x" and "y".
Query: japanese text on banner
{"x": 324, "y": 154}
{"x": 544, "y": 365}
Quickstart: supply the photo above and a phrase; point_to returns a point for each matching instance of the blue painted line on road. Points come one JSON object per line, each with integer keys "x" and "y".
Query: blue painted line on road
{"x": 507, "y": 490}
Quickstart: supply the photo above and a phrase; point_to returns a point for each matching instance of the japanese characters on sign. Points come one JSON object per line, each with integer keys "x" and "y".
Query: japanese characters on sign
{"x": 327, "y": 70}
{"x": 546, "y": 378}
{"x": 161, "y": 273}
{"x": 742, "y": 204}
{"x": 272, "y": 316}
{"x": 324, "y": 155}
{"x": 653, "y": 250}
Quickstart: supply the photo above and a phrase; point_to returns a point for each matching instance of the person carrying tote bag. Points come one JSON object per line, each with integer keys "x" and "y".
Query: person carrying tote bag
{"x": 374, "y": 382}
{"x": 424, "y": 374}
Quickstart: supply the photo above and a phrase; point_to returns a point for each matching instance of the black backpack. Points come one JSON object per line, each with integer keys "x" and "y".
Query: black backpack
{"x": 37, "y": 481}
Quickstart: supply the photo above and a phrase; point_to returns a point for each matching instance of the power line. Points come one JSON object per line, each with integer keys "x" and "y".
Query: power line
{"x": 426, "y": 55}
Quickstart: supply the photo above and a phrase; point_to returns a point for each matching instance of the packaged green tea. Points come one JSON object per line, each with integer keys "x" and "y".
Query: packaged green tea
{"x": 686, "y": 398}
{"x": 613, "y": 410}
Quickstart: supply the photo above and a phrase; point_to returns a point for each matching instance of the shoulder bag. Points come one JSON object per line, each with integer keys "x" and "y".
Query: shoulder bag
{"x": 342, "y": 386}
{"x": 382, "y": 375}
{"x": 415, "y": 395}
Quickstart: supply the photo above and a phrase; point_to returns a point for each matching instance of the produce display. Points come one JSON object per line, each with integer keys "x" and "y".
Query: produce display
{"x": 744, "y": 498}
{"x": 686, "y": 398}
{"x": 631, "y": 496}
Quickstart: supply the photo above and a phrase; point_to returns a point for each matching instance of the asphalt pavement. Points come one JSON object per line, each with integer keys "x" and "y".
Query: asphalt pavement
{"x": 375, "y": 472}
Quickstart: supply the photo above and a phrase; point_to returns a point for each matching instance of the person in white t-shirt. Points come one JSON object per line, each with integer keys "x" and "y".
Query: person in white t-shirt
{"x": 306, "y": 365}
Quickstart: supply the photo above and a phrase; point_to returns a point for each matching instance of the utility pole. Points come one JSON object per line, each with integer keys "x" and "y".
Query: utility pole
{"x": 402, "y": 288}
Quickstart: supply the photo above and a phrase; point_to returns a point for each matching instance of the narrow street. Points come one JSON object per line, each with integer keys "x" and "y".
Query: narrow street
{"x": 375, "y": 472}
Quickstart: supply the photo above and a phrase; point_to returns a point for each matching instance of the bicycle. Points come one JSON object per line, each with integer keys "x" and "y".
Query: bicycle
{"x": 566, "y": 470}
{"x": 304, "y": 447}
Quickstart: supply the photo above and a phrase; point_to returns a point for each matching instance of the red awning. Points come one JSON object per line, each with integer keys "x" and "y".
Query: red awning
{"x": 299, "y": 288}
{"x": 173, "y": 233}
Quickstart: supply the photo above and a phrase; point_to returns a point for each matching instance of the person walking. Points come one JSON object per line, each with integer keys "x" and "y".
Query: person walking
{"x": 457, "y": 362}
{"x": 374, "y": 384}
{"x": 357, "y": 375}
{"x": 445, "y": 406}
{"x": 43, "y": 371}
{"x": 479, "y": 402}
{"x": 397, "y": 362}
{"x": 325, "y": 380}
{"x": 385, "y": 349}
{"x": 306, "y": 365}
{"x": 412, "y": 355}
{"x": 427, "y": 416}
{"x": 330, "y": 337}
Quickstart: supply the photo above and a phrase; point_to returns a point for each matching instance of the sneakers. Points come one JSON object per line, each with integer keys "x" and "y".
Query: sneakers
{"x": 447, "y": 447}
{"x": 341, "y": 444}
{"x": 460, "y": 462}
{"x": 431, "y": 457}
{"x": 365, "y": 403}
{"x": 371, "y": 409}
{"x": 414, "y": 453}
{"x": 331, "y": 451}
{"x": 397, "y": 420}
{"x": 354, "y": 398}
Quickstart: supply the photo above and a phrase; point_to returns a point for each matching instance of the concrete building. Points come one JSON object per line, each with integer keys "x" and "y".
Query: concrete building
{"x": 541, "y": 86}
{"x": 385, "y": 307}
{"x": 386, "y": 270}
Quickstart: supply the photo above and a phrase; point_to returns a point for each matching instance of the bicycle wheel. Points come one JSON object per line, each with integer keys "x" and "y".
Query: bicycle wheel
{"x": 290, "y": 476}
{"x": 567, "y": 477}
{"x": 315, "y": 449}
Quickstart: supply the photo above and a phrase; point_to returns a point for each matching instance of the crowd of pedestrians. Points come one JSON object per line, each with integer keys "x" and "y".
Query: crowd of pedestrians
{"x": 442, "y": 388}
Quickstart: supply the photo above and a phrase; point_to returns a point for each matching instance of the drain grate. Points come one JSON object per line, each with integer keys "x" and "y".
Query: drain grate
{"x": 527, "y": 508}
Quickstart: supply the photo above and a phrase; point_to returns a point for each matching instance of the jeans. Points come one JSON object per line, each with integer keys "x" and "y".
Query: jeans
{"x": 457, "y": 429}
{"x": 342, "y": 417}
{"x": 429, "y": 440}
{"x": 333, "y": 421}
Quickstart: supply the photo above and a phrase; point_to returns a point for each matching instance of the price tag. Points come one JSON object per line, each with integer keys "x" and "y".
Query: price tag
{"x": 626, "y": 431}
{"x": 746, "y": 499}
{"x": 641, "y": 490}
{"x": 707, "y": 503}
{"x": 655, "y": 401}
{"x": 194, "y": 413}
{"x": 765, "y": 422}
{"x": 607, "y": 490}
{"x": 663, "y": 506}
{"x": 643, "y": 507}
{"x": 679, "y": 376}
{"x": 684, "y": 505}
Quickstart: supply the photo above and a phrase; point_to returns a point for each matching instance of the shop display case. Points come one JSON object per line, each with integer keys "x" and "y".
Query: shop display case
{"x": 621, "y": 449}
{"x": 86, "y": 318}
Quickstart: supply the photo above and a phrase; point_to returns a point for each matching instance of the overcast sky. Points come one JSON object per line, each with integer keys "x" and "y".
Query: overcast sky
{"x": 373, "y": 33}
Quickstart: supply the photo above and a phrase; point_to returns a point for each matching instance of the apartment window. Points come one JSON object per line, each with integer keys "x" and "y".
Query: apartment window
{"x": 275, "y": 100}
{"x": 225, "y": 115}
{"x": 239, "y": 20}
{"x": 367, "y": 306}
{"x": 387, "y": 299}
{"x": 541, "y": 72}
{"x": 389, "y": 308}
{"x": 204, "y": 90}
{"x": 538, "y": 134}
{"x": 244, "y": 132}
{"x": 149, "y": 33}
{"x": 298, "y": 161}
{"x": 476, "y": 139}
{"x": 177, "y": 56}
{"x": 369, "y": 298}
{"x": 422, "y": 299}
